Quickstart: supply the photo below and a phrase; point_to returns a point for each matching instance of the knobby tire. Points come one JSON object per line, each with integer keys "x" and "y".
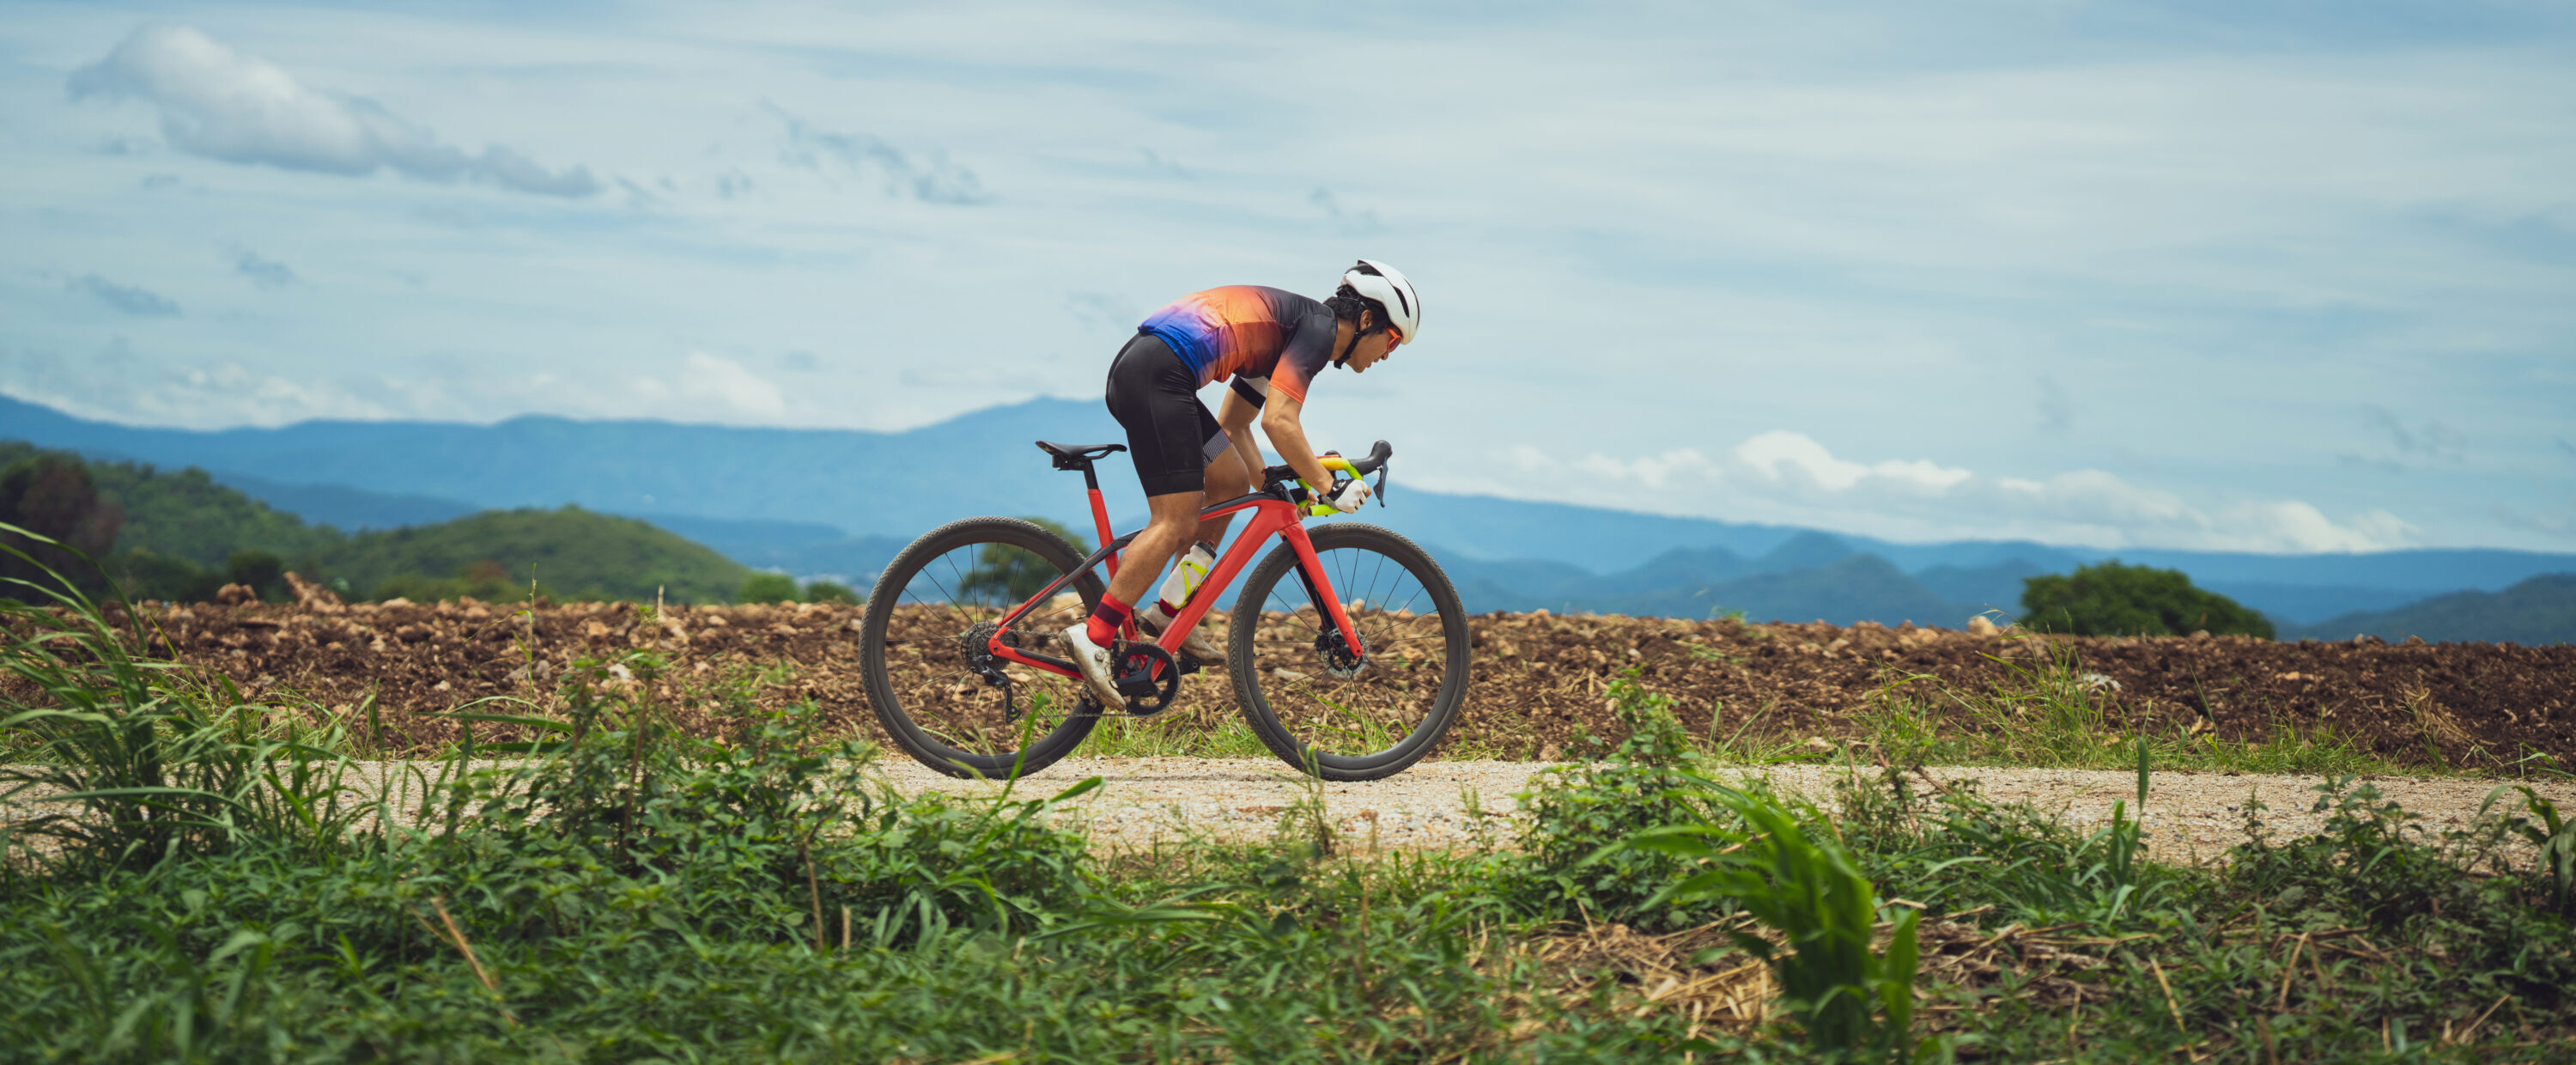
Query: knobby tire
{"x": 913, "y": 649}
{"x": 1413, "y": 678}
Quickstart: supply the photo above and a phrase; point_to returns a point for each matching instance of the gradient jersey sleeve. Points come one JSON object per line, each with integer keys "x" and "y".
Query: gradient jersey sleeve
{"x": 1272, "y": 338}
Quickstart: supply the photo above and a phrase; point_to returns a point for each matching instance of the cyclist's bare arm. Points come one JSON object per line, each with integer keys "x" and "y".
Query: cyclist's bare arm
{"x": 1279, "y": 422}
{"x": 1236, "y": 416}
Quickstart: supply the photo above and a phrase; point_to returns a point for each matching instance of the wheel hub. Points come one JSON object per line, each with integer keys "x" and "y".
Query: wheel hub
{"x": 1339, "y": 660}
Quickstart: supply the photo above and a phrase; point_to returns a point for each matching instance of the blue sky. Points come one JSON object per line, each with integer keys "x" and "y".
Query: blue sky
{"x": 2276, "y": 277}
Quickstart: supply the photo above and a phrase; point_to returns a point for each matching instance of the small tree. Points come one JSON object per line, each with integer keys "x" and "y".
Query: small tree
{"x": 1005, "y": 574}
{"x": 830, "y": 592}
{"x": 53, "y": 496}
{"x": 260, "y": 571}
{"x": 767, "y": 588}
{"x": 2111, "y": 599}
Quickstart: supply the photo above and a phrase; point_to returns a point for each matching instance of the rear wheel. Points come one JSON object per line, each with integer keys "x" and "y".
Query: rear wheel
{"x": 1350, "y": 713}
{"x": 940, "y": 694}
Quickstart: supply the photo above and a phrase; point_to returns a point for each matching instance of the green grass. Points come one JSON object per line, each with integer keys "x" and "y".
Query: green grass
{"x": 1173, "y": 735}
{"x": 2048, "y": 715}
{"x": 214, "y": 888}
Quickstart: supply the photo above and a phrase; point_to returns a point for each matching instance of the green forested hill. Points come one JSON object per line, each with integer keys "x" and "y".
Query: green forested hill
{"x": 179, "y": 535}
{"x": 572, "y": 554}
{"x": 184, "y": 514}
{"x": 2541, "y": 610}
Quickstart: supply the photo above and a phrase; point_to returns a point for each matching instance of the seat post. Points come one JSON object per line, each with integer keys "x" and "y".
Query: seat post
{"x": 1079, "y": 458}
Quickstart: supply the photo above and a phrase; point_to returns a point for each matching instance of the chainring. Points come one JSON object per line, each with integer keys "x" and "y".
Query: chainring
{"x": 1149, "y": 690}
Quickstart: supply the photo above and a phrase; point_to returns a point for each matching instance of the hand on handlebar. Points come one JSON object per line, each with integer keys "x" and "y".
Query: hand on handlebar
{"x": 1348, "y": 496}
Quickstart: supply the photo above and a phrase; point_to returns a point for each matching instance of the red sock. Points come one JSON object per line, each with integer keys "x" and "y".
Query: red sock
{"x": 1107, "y": 618}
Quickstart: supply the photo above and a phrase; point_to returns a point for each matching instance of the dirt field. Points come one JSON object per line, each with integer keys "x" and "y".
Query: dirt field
{"x": 1537, "y": 680}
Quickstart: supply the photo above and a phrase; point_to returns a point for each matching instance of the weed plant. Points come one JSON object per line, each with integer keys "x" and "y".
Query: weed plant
{"x": 1569, "y": 866}
{"x": 1774, "y": 860}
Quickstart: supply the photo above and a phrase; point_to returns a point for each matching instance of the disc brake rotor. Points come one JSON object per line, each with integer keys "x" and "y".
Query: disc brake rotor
{"x": 1339, "y": 660}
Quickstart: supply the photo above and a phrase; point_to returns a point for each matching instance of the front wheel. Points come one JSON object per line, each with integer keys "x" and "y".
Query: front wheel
{"x": 1339, "y": 712}
{"x": 924, "y": 648}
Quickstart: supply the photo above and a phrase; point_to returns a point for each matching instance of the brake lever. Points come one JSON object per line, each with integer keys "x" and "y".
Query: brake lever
{"x": 1380, "y": 491}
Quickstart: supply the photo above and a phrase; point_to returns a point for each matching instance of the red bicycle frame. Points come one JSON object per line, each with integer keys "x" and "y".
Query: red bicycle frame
{"x": 1271, "y": 516}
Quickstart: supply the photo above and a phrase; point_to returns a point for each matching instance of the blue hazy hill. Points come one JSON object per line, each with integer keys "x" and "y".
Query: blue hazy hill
{"x": 2540, "y": 610}
{"x": 839, "y": 502}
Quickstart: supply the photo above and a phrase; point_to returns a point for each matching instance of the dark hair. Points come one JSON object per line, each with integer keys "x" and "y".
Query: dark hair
{"x": 1346, "y": 304}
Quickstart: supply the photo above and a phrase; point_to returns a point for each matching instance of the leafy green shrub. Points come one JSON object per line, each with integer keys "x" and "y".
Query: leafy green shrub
{"x": 1570, "y": 864}
{"x": 830, "y": 592}
{"x": 1952, "y": 849}
{"x": 2552, "y": 839}
{"x": 767, "y": 588}
{"x": 767, "y": 827}
{"x": 2111, "y": 599}
{"x": 261, "y": 571}
{"x": 1806, "y": 888}
{"x": 141, "y": 573}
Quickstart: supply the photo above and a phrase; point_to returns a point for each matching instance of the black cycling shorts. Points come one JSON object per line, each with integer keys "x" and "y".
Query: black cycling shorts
{"x": 1170, "y": 433}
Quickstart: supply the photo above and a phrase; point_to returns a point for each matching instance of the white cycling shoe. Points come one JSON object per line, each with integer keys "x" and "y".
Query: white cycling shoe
{"x": 1098, "y": 672}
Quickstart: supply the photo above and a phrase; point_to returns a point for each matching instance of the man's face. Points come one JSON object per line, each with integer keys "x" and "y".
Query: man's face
{"x": 1371, "y": 348}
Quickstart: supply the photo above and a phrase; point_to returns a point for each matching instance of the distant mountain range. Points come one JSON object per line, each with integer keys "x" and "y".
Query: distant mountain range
{"x": 839, "y": 503}
{"x": 2539, "y": 610}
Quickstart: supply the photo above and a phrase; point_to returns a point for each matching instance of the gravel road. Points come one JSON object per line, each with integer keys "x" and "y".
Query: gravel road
{"x": 2190, "y": 817}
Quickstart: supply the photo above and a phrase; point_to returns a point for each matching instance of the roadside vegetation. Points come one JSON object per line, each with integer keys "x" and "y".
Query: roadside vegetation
{"x": 188, "y": 874}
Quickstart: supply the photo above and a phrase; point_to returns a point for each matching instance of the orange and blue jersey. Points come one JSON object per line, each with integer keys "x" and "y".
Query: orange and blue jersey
{"x": 1253, "y": 333}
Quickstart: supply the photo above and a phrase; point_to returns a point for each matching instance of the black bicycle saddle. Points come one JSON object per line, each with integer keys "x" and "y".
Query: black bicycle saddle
{"x": 1068, "y": 456}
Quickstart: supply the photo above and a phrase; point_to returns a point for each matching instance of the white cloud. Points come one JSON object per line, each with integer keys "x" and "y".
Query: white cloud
{"x": 115, "y": 384}
{"x": 716, "y": 379}
{"x": 1784, "y": 476}
{"x": 222, "y": 104}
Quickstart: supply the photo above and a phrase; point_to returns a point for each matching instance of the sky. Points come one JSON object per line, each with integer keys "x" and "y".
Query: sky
{"x": 2286, "y": 277}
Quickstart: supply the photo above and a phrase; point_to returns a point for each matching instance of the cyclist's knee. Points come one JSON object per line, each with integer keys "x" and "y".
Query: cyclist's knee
{"x": 1226, "y": 479}
{"x": 1174, "y": 519}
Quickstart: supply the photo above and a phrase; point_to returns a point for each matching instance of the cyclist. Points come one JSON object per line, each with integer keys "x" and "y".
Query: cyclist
{"x": 1271, "y": 343}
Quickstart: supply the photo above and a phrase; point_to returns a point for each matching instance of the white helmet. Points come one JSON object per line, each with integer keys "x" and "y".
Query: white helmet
{"x": 1380, "y": 282}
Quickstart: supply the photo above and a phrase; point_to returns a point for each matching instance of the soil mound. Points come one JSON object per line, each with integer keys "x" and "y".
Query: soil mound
{"x": 1539, "y": 680}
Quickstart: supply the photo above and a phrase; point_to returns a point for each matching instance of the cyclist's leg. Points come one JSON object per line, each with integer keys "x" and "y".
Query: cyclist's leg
{"x": 1153, "y": 394}
{"x": 1174, "y": 442}
{"x": 1233, "y": 468}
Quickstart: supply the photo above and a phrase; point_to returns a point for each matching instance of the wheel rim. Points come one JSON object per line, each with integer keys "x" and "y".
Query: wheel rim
{"x": 1303, "y": 673}
{"x": 930, "y": 653}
